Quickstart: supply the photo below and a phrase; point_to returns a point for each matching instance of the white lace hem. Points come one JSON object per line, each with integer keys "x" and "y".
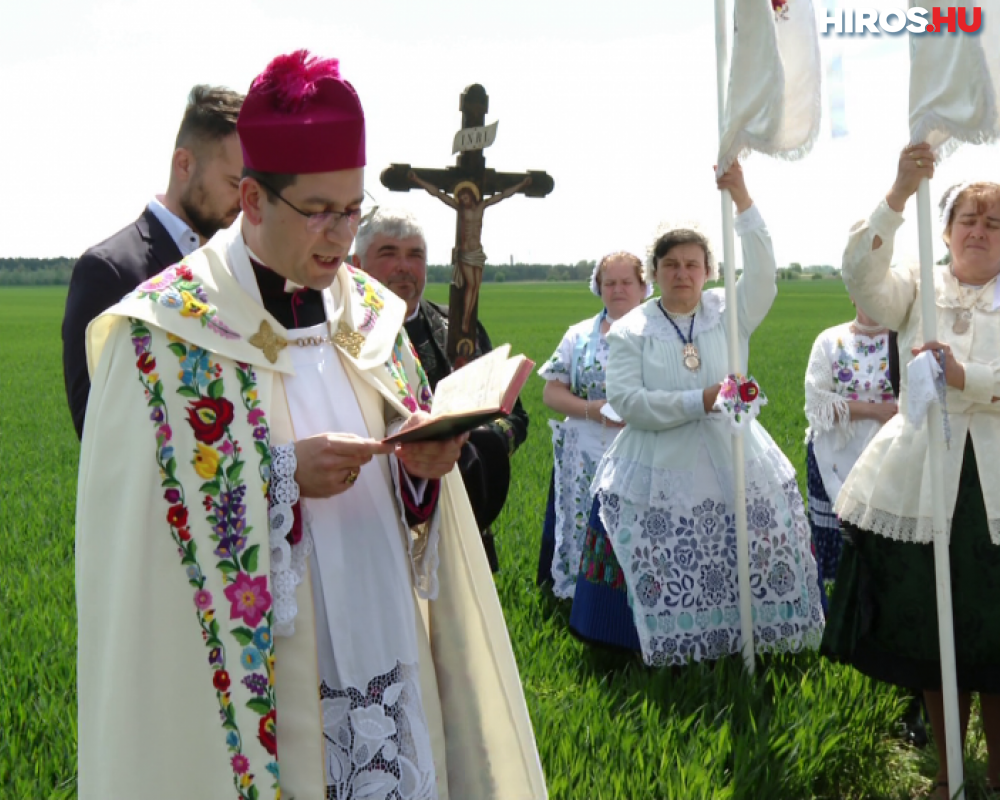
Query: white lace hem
{"x": 919, "y": 530}
{"x": 288, "y": 562}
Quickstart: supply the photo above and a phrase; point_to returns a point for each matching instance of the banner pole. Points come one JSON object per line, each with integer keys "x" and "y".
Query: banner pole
{"x": 942, "y": 557}
{"x": 735, "y": 367}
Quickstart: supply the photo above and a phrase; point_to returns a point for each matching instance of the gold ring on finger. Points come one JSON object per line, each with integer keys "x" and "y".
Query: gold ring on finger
{"x": 920, "y": 162}
{"x": 352, "y": 476}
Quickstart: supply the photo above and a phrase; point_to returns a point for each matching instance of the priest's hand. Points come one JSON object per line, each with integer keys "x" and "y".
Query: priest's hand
{"x": 429, "y": 460}
{"x": 329, "y": 463}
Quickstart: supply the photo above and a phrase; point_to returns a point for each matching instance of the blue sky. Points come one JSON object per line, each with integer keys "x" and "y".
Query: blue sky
{"x": 615, "y": 100}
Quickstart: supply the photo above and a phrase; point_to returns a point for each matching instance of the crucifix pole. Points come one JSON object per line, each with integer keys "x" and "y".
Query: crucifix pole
{"x": 470, "y": 188}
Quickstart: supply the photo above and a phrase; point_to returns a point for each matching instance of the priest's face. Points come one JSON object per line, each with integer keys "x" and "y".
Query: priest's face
{"x": 283, "y": 237}
{"x": 211, "y": 199}
{"x": 400, "y": 264}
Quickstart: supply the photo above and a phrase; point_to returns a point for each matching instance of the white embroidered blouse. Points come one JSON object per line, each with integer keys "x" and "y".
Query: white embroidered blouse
{"x": 844, "y": 365}
{"x": 888, "y": 491}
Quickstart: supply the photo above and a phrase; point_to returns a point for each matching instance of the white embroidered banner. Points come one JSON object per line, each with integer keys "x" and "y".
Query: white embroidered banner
{"x": 955, "y": 82}
{"x": 773, "y": 105}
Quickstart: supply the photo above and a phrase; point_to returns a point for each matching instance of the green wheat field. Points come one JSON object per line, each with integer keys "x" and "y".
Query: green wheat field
{"x": 607, "y": 727}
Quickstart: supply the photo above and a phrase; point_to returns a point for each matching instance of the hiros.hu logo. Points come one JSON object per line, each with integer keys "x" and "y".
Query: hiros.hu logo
{"x": 896, "y": 20}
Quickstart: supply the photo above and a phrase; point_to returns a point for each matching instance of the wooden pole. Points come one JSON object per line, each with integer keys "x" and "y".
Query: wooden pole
{"x": 942, "y": 557}
{"x": 735, "y": 365}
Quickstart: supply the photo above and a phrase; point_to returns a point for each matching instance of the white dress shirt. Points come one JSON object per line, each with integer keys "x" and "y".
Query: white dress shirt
{"x": 187, "y": 240}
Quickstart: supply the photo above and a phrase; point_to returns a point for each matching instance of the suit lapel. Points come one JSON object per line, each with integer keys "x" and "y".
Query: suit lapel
{"x": 162, "y": 247}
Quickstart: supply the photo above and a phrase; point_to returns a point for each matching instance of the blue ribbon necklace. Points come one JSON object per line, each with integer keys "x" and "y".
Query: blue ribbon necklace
{"x": 691, "y": 358}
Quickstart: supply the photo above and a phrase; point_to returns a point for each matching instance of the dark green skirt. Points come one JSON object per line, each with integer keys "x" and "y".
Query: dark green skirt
{"x": 883, "y": 615}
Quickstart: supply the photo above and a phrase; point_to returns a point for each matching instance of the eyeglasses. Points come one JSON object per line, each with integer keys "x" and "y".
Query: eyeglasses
{"x": 321, "y": 221}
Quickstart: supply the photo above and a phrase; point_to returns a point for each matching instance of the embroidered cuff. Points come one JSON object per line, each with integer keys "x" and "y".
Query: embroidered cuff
{"x": 694, "y": 403}
{"x": 884, "y": 222}
{"x": 978, "y": 383}
{"x": 749, "y": 220}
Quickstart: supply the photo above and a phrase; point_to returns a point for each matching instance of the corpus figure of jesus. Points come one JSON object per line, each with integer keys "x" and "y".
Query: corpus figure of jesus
{"x": 470, "y": 259}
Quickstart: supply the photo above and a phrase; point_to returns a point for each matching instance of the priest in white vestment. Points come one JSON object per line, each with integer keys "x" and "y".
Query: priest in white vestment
{"x": 257, "y": 573}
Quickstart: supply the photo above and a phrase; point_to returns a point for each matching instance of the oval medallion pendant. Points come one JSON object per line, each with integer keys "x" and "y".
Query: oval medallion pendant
{"x": 962, "y": 321}
{"x": 691, "y": 358}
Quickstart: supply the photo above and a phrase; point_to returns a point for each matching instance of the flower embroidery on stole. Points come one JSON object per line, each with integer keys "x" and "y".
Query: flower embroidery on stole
{"x": 205, "y": 492}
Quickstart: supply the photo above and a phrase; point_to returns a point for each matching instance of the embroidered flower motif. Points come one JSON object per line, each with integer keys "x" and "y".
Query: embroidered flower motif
{"x": 647, "y": 590}
{"x": 249, "y": 598}
{"x": 206, "y": 462}
{"x": 240, "y": 763}
{"x": 656, "y": 525}
{"x": 146, "y": 363}
{"x": 176, "y": 289}
{"x": 780, "y": 9}
{"x": 203, "y": 599}
{"x": 177, "y": 516}
{"x": 256, "y": 683}
{"x": 209, "y": 417}
{"x": 220, "y": 680}
{"x": 266, "y": 732}
{"x": 262, "y": 637}
{"x": 781, "y": 579}
{"x": 250, "y": 658}
{"x": 192, "y": 307}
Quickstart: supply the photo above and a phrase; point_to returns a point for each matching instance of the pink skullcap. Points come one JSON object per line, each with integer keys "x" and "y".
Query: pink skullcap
{"x": 301, "y": 117}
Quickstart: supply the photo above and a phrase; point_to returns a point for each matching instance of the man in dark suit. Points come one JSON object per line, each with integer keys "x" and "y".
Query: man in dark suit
{"x": 390, "y": 246}
{"x": 202, "y": 197}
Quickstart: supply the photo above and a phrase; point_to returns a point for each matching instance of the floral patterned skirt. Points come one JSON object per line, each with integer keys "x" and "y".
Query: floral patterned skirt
{"x": 883, "y": 615}
{"x": 679, "y": 560}
{"x": 602, "y": 613}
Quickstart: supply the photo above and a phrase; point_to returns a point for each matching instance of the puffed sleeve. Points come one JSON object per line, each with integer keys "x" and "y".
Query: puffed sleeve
{"x": 755, "y": 289}
{"x": 883, "y": 293}
{"x": 642, "y": 408}
{"x": 824, "y": 407}
{"x": 560, "y": 365}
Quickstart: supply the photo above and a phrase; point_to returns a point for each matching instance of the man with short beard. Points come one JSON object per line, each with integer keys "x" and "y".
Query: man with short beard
{"x": 202, "y": 198}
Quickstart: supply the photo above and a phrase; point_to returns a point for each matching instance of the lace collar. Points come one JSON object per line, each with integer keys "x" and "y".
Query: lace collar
{"x": 648, "y": 320}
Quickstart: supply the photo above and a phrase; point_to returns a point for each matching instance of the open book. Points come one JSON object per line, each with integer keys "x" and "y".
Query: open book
{"x": 480, "y": 392}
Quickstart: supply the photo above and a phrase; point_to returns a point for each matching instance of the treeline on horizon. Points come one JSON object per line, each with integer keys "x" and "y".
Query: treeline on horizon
{"x": 56, "y": 272}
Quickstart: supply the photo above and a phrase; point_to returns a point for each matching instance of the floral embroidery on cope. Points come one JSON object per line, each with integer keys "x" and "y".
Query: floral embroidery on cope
{"x": 372, "y": 299}
{"x": 217, "y": 459}
{"x": 397, "y": 370}
{"x": 176, "y": 288}
{"x": 780, "y": 9}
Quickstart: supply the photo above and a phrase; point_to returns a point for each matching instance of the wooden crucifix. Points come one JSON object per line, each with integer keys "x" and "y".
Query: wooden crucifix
{"x": 470, "y": 188}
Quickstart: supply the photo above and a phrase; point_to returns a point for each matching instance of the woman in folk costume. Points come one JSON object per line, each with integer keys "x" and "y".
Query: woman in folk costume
{"x": 253, "y": 563}
{"x": 883, "y": 617}
{"x": 663, "y": 527}
{"x": 574, "y": 386}
{"x": 848, "y": 398}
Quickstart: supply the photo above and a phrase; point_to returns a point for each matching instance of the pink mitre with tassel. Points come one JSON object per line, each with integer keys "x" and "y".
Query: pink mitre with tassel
{"x": 300, "y": 116}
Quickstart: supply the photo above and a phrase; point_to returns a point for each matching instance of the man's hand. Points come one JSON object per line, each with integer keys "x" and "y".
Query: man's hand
{"x": 709, "y": 396}
{"x": 429, "y": 460}
{"x": 329, "y": 463}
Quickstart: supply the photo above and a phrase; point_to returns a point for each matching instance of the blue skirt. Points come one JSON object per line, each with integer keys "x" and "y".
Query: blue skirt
{"x": 826, "y": 537}
{"x": 548, "y": 550}
{"x": 602, "y": 613}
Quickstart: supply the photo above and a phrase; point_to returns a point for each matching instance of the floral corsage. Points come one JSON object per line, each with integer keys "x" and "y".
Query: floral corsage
{"x": 740, "y": 400}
